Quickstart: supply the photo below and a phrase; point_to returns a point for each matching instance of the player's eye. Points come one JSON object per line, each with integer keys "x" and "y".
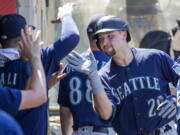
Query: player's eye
{"x": 110, "y": 36}
{"x": 101, "y": 40}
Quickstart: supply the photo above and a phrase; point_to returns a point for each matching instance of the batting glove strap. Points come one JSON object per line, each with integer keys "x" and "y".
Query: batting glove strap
{"x": 84, "y": 65}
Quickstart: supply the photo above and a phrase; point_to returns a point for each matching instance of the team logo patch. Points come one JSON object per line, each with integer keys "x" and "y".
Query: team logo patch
{"x": 3, "y": 37}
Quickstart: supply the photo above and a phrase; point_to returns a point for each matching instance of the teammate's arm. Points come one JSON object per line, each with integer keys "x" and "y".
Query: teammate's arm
{"x": 30, "y": 48}
{"x": 69, "y": 36}
{"x": 56, "y": 76}
{"x": 52, "y": 54}
{"x": 102, "y": 105}
{"x": 69, "y": 33}
{"x": 66, "y": 120}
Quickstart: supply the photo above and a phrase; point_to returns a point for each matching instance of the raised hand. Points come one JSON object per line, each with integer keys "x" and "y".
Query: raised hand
{"x": 63, "y": 10}
{"x": 56, "y": 76}
{"x": 30, "y": 45}
{"x": 85, "y": 65}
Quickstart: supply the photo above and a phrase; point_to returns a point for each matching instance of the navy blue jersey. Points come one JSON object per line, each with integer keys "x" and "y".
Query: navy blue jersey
{"x": 176, "y": 68}
{"x": 178, "y": 86}
{"x": 15, "y": 73}
{"x": 10, "y": 99}
{"x": 34, "y": 121}
{"x": 137, "y": 87}
{"x": 8, "y": 126}
{"x": 75, "y": 93}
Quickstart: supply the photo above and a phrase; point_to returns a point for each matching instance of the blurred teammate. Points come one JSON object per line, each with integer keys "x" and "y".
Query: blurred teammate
{"x": 157, "y": 39}
{"x": 176, "y": 40}
{"x": 75, "y": 97}
{"x": 34, "y": 121}
{"x": 12, "y": 100}
{"x": 8, "y": 126}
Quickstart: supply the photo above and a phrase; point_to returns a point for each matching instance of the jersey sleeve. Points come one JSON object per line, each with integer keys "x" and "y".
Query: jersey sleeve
{"x": 69, "y": 39}
{"x": 176, "y": 68}
{"x": 167, "y": 70}
{"x": 10, "y": 99}
{"x": 8, "y": 125}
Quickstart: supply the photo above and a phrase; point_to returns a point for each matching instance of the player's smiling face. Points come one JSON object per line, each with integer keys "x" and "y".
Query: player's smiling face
{"x": 109, "y": 41}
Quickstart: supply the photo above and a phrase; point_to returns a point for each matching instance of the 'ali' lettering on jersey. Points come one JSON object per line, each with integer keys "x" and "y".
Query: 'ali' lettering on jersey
{"x": 8, "y": 78}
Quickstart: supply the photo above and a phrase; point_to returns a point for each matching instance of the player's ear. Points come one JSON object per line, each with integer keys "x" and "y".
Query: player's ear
{"x": 125, "y": 35}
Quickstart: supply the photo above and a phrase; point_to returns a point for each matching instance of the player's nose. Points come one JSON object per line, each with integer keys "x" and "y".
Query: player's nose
{"x": 105, "y": 42}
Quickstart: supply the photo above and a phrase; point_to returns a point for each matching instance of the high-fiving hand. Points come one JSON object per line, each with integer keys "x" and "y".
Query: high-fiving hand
{"x": 87, "y": 66}
{"x": 63, "y": 10}
{"x": 84, "y": 65}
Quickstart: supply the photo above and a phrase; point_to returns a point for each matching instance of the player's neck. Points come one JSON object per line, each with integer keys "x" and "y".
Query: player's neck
{"x": 124, "y": 57}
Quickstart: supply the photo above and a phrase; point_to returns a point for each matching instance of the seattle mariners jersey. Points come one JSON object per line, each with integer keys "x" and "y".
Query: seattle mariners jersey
{"x": 8, "y": 126}
{"x": 75, "y": 93}
{"x": 15, "y": 73}
{"x": 137, "y": 88}
{"x": 176, "y": 68}
{"x": 9, "y": 99}
{"x": 34, "y": 121}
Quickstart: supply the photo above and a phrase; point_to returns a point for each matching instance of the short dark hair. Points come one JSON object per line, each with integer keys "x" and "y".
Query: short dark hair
{"x": 157, "y": 39}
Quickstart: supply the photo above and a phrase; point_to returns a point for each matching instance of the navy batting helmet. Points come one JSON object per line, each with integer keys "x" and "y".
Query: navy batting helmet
{"x": 112, "y": 23}
{"x": 91, "y": 27}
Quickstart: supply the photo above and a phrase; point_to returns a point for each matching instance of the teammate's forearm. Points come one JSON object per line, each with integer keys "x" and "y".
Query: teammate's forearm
{"x": 69, "y": 38}
{"x": 69, "y": 28}
{"x": 102, "y": 104}
{"x": 38, "y": 82}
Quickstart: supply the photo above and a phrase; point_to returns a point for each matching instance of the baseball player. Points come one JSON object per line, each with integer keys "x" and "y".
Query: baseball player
{"x": 75, "y": 96}
{"x": 34, "y": 121}
{"x": 138, "y": 78}
{"x": 176, "y": 68}
{"x": 8, "y": 126}
{"x": 12, "y": 100}
{"x": 161, "y": 41}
